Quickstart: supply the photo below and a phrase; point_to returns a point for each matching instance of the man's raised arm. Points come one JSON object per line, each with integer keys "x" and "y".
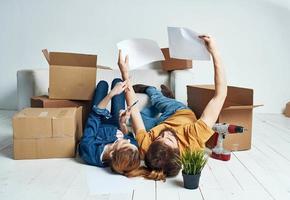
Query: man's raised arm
{"x": 213, "y": 108}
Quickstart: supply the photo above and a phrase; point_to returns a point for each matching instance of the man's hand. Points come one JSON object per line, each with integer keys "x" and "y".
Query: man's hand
{"x": 123, "y": 65}
{"x": 209, "y": 43}
{"x": 119, "y": 88}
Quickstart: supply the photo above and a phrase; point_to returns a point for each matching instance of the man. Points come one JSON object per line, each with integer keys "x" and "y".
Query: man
{"x": 177, "y": 127}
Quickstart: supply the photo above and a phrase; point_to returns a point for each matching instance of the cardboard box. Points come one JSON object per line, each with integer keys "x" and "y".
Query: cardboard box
{"x": 44, "y": 133}
{"x": 287, "y": 110}
{"x": 237, "y": 110}
{"x": 44, "y": 148}
{"x": 170, "y": 64}
{"x": 45, "y": 102}
{"x": 71, "y": 76}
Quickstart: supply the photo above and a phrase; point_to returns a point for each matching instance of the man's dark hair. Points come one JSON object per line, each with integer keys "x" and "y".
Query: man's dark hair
{"x": 161, "y": 157}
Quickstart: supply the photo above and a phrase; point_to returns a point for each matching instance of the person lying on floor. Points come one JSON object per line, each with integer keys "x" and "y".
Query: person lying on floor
{"x": 106, "y": 141}
{"x": 177, "y": 128}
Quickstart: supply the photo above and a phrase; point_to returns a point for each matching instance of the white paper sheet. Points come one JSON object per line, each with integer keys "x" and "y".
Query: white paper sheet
{"x": 103, "y": 181}
{"x": 140, "y": 52}
{"x": 185, "y": 44}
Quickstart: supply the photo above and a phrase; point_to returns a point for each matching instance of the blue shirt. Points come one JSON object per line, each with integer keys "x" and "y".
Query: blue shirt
{"x": 97, "y": 135}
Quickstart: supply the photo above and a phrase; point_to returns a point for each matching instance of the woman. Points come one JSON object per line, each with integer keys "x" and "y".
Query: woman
{"x": 106, "y": 141}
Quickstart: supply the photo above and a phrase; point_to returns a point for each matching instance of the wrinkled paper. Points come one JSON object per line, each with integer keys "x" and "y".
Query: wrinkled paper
{"x": 140, "y": 52}
{"x": 185, "y": 44}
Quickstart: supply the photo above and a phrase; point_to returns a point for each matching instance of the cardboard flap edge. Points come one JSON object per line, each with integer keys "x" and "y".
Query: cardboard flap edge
{"x": 104, "y": 67}
{"x": 242, "y": 107}
{"x": 46, "y": 55}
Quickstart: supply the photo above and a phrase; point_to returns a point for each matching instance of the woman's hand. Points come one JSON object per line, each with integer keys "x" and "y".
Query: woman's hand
{"x": 209, "y": 43}
{"x": 123, "y": 65}
{"x": 119, "y": 88}
{"x": 124, "y": 115}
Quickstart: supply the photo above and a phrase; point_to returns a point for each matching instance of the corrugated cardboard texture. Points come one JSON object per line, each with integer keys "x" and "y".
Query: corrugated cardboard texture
{"x": 44, "y": 123}
{"x": 71, "y": 75}
{"x": 45, "y": 132}
{"x": 241, "y": 117}
{"x": 287, "y": 110}
{"x": 170, "y": 64}
{"x": 71, "y": 82}
{"x": 44, "y": 148}
{"x": 72, "y": 59}
{"x": 80, "y": 127}
{"x": 45, "y": 102}
{"x": 237, "y": 110}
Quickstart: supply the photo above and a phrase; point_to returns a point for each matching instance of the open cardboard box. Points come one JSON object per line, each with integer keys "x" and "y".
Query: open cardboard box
{"x": 170, "y": 64}
{"x": 237, "y": 110}
{"x": 44, "y": 133}
{"x": 82, "y": 113}
{"x": 71, "y": 75}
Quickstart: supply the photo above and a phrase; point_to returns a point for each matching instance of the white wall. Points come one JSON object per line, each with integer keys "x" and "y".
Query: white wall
{"x": 252, "y": 35}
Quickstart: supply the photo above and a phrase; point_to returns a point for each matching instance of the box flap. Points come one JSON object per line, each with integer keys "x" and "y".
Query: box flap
{"x": 104, "y": 67}
{"x": 35, "y": 113}
{"x": 235, "y": 95}
{"x": 46, "y": 55}
{"x": 70, "y": 59}
{"x": 208, "y": 87}
{"x": 170, "y": 64}
{"x": 239, "y": 107}
{"x": 45, "y": 113}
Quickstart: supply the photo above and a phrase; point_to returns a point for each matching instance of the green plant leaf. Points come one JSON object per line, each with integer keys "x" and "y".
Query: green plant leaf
{"x": 192, "y": 161}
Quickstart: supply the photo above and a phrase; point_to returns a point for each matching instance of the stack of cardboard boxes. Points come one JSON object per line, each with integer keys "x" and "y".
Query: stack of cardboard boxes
{"x": 54, "y": 123}
{"x": 44, "y": 133}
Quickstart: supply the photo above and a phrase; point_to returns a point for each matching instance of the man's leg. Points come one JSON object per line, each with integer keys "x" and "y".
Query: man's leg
{"x": 149, "y": 115}
{"x": 164, "y": 105}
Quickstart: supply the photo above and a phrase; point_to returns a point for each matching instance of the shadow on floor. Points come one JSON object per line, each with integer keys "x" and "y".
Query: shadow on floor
{"x": 178, "y": 183}
{"x": 7, "y": 151}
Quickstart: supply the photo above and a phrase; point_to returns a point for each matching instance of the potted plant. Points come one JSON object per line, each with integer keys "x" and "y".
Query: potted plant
{"x": 192, "y": 162}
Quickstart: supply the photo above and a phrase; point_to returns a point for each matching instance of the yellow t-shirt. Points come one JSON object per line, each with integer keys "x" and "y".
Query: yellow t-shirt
{"x": 190, "y": 132}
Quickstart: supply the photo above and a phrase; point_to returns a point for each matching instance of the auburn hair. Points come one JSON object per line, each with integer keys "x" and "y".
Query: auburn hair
{"x": 126, "y": 161}
{"x": 162, "y": 157}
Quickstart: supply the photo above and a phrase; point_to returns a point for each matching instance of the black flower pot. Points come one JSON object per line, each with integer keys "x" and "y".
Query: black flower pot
{"x": 190, "y": 181}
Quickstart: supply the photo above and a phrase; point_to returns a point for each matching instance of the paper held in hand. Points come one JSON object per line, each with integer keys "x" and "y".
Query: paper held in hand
{"x": 140, "y": 52}
{"x": 185, "y": 44}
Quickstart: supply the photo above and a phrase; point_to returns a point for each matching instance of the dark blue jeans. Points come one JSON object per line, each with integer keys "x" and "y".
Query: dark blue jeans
{"x": 117, "y": 102}
{"x": 101, "y": 126}
{"x": 159, "y": 104}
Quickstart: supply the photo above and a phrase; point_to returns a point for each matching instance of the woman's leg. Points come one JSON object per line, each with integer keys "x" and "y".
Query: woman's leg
{"x": 100, "y": 92}
{"x": 117, "y": 104}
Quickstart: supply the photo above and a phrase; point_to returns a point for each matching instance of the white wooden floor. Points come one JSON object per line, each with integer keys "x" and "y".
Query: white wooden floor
{"x": 261, "y": 173}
